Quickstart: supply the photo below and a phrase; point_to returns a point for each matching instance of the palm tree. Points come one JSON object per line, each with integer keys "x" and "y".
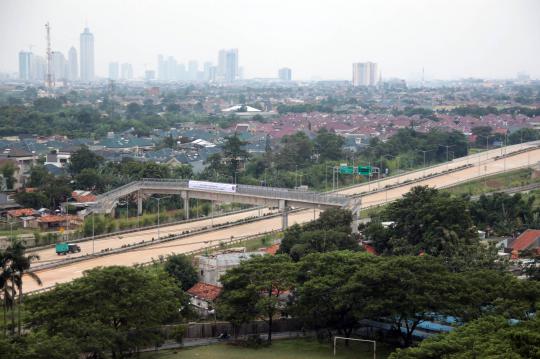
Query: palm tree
{"x": 5, "y": 287}
{"x": 19, "y": 266}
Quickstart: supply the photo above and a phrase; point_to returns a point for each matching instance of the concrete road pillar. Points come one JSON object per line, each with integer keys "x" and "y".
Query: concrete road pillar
{"x": 284, "y": 214}
{"x": 139, "y": 204}
{"x": 185, "y": 196}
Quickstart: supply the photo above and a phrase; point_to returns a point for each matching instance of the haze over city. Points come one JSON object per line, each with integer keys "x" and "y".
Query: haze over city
{"x": 317, "y": 39}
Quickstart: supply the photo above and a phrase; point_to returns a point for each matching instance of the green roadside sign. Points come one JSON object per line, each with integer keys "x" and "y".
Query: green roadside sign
{"x": 365, "y": 170}
{"x": 346, "y": 170}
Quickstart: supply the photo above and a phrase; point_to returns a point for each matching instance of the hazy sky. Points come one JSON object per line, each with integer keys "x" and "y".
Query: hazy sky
{"x": 317, "y": 39}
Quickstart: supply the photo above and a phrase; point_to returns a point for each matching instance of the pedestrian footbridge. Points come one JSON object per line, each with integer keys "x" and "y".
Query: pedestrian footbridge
{"x": 282, "y": 198}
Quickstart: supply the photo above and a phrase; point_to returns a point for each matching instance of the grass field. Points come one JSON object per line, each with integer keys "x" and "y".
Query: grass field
{"x": 498, "y": 182}
{"x": 280, "y": 349}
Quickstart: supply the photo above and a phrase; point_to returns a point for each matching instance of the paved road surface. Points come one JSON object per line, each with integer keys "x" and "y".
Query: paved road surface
{"x": 117, "y": 241}
{"x": 69, "y": 272}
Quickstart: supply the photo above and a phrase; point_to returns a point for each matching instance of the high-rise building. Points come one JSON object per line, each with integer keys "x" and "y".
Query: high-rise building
{"x": 149, "y": 75}
{"x": 207, "y": 66}
{"x": 161, "y": 73}
{"x": 114, "y": 70}
{"x": 227, "y": 69}
{"x": 365, "y": 74}
{"x": 193, "y": 68}
{"x": 73, "y": 64}
{"x": 25, "y": 65}
{"x": 126, "y": 71}
{"x": 87, "y": 56}
{"x": 38, "y": 68}
{"x": 222, "y": 55}
{"x": 285, "y": 74}
{"x": 59, "y": 66}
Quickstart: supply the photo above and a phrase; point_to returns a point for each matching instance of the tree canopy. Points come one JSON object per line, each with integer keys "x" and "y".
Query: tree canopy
{"x": 113, "y": 309}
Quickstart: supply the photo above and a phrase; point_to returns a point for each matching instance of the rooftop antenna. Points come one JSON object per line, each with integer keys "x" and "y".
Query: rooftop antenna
{"x": 50, "y": 81}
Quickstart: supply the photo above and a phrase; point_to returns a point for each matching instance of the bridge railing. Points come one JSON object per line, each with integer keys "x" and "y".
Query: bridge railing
{"x": 114, "y": 192}
{"x": 269, "y": 192}
{"x": 289, "y": 194}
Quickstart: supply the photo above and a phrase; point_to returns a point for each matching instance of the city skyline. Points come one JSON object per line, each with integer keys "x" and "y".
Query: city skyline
{"x": 449, "y": 40}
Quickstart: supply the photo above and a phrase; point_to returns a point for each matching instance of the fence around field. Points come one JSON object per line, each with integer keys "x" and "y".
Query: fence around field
{"x": 213, "y": 329}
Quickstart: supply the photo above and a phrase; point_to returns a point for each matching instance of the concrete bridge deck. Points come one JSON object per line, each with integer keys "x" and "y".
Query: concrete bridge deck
{"x": 282, "y": 198}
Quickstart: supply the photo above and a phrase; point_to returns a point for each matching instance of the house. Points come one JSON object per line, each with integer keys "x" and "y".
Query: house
{"x": 212, "y": 267}
{"x": 203, "y": 296}
{"x": 22, "y": 212}
{"x": 58, "y": 222}
{"x": 527, "y": 241}
{"x": 23, "y": 160}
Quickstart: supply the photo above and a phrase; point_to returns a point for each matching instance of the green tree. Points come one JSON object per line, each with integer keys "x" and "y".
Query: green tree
{"x": 523, "y": 135}
{"x": 489, "y": 337}
{"x": 8, "y": 172}
{"x": 257, "y": 287}
{"x": 505, "y": 214}
{"x": 34, "y": 200}
{"x": 38, "y": 176}
{"x": 328, "y": 145}
{"x": 234, "y": 153}
{"x": 483, "y": 134}
{"x": 113, "y": 309}
{"x": 404, "y": 291}
{"x": 133, "y": 110}
{"x": 84, "y": 158}
{"x": 319, "y": 300}
{"x": 179, "y": 266}
{"x": 330, "y": 232}
{"x": 426, "y": 220}
{"x": 295, "y": 151}
{"x": 89, "y": 179}
{"x": 19, "y": 264}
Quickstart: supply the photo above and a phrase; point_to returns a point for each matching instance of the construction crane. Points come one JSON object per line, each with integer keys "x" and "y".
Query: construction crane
{"x": 50, "y": 79}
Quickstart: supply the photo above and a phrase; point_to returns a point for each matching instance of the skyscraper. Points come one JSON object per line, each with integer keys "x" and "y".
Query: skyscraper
{"x": 87, "y": 56}
{"x": 221, "y": 64}
{"x": 228, "y": 65}
{"x": 59, "y": 66}
{"x": 25, "y": 65}
{"x": 285, "y": 74}
{"x": 38, "y": 68}
{"x": 73, "y": 64}
{"x": 207, "y": 66}
{"x": 126, "y": 71}
{"x": 193, "y": 68}
{"x": 114, "y": 70}
{"x": 161, "y": 72}
{"x": 365, "y": 74}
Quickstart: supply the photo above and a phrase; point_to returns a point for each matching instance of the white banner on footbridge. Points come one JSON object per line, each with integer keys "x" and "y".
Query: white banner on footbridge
{"x": 212, "y": 186}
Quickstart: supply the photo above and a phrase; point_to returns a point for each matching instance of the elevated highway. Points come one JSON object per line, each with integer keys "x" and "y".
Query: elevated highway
{"x": 372, "y": 194}
{"x": 269, "y": 197}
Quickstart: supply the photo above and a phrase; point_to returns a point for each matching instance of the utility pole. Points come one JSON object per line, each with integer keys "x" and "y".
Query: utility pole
{"x": 447, "y": 147}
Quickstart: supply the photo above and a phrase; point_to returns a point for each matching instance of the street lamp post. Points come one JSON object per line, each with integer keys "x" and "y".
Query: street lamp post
{"x": 158, "y": 199}
{"x": 93, "y": 233}
{"x": 424, "y": 172}
{"x": 447, "y": 148}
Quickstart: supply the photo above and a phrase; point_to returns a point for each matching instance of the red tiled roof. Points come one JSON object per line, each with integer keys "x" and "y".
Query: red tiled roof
{"x": 86, "y": 198}
{"x": 272, "y": 250}
{"x": 525, "y": 240}
{"x": 21, "y": 212}
{"x": 370, "y": 249}
{"x": 205, "y": 291}
{"x": 54, "y": 218}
